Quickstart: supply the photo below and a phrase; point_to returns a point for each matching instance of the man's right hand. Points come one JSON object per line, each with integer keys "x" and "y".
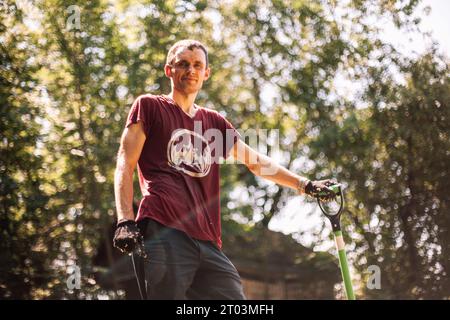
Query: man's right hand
{"x": 128, "y": 238}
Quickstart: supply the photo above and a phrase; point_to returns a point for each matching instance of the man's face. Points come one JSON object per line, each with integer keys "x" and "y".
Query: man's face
{"x": 188, "y": 70}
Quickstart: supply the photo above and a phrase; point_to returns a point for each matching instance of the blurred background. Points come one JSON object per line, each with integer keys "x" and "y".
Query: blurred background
{"x": 357, "y": 89}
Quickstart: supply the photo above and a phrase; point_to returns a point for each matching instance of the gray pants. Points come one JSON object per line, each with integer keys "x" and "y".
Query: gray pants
{"x": 180, "y": 267}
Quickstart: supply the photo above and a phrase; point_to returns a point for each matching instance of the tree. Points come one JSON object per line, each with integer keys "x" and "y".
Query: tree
{"x": 410, "y": 124}
{"x": 23, "y": 201}
{"x": 393, "y": 157}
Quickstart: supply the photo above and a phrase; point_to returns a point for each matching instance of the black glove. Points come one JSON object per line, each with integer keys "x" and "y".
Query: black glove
{"x": 128, "y": 238}
{"x": 320, "y": 190}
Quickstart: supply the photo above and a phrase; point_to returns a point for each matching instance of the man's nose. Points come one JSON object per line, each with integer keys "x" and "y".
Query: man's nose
{"x": 190, "y": 68}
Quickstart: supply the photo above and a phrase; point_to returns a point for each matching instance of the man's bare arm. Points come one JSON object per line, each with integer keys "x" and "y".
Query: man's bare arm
{"x": 131, "y": 145}
{"x": 265, "y": 167}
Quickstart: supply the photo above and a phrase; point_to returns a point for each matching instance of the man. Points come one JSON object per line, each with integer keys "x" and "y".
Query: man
{"x": 169, "y": 137}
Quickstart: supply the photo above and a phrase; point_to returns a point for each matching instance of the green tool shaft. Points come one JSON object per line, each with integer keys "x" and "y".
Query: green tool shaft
{"x": 340, "y": 246}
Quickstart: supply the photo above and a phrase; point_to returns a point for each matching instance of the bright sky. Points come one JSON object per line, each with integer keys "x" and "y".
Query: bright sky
{"x": 436, "y": 22}
{"x": 296, "y": 215}
{"x": 439, "y": 23}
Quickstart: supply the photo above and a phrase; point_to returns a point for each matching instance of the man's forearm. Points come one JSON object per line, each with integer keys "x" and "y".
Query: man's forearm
{"x": 123, "y": 190}
{"x": 267, "y": 168}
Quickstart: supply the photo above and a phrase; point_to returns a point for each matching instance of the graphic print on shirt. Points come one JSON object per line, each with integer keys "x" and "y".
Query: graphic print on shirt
{"x": 189, "y": 152}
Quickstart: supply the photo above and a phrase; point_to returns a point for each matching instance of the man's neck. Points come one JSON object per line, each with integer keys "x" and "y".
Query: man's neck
{"x": 185, "y": 102}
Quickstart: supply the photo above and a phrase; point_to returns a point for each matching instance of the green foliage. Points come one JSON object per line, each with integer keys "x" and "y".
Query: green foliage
{"x": 24, "y": 209}
{"x": 410, "y": 124}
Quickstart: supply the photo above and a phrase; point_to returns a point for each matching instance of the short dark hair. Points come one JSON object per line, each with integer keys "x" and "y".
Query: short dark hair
{"x": 189, "y": 44}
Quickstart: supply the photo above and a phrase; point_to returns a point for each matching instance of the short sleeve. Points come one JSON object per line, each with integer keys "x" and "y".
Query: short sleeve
{"x": 229, "y": 132}
{"x": 143, "y": 109}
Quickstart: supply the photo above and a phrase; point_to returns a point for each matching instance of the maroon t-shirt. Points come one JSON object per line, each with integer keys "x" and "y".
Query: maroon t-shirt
{"x": 179, "y": 165}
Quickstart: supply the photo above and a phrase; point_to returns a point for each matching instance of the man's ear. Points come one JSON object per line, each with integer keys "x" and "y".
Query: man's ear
{"x": 168, "y": 71}
{"x": 207, "y": 73}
